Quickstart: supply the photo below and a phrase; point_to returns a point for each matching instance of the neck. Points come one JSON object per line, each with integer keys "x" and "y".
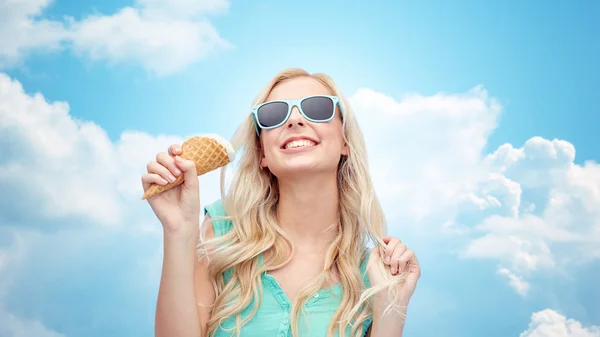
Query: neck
{"x": 308, "y": 210}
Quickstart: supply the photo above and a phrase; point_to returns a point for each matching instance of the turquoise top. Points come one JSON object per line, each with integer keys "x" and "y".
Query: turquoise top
{"x": 272, "y": 318}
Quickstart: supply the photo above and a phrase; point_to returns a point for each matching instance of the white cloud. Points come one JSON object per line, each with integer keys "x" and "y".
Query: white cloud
{"x": 527, "y": 208}
{"x": 23, "y": 31}
{"x": 55, "y": 159}
{"x": 163, "y": 36}
{"x": 433, "y": 149}
{"x": 69, "y": 168}
{"x": 517, "y": 282}
{"x": 162, "y": 40}
{"x": 549, "y": 323}
{"x": 524, "y": 254}
{"x": 559, "y": 218}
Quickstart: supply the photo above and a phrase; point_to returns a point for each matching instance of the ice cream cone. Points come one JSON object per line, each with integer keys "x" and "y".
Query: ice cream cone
{"x": 209, "y": 152}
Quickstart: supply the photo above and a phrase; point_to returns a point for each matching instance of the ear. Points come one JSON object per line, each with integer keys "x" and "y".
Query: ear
{"x": 263, "y": 162}
{"x": 263, "y": 159}
{"x": 345, "y": 150}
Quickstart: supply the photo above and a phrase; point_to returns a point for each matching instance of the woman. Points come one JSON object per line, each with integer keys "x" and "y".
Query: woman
{"x": 284, "y": 252}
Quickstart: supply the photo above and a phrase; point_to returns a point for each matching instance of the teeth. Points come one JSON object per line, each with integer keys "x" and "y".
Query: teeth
{"x": 299, "y": 143}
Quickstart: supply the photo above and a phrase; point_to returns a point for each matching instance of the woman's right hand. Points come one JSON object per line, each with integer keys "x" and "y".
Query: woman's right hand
{"x": 178, "y": 209}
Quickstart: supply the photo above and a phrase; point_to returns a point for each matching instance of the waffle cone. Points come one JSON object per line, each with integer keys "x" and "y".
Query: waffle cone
{"x": 209, "y": 152}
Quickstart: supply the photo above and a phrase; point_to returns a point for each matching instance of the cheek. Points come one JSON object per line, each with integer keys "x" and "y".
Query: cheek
{"x": 269, "y": 145}
{"x": 334, "y": 134}
{"x": 269, "y": 141}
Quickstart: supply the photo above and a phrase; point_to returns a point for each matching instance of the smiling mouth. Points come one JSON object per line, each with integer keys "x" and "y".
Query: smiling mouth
{"x": 299, "y": 143}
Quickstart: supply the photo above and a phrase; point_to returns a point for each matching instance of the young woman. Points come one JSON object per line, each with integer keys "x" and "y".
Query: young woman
{"x": 284, "y": 252}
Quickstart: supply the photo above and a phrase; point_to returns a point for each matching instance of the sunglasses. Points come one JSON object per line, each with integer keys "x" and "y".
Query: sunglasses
{"x": 273, "y": 114}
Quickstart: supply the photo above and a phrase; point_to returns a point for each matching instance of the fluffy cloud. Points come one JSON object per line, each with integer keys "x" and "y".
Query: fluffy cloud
{"x": 433, "y": 147}
{"x": 163, "y": 36}
{"x": 549, "y": 323}
{"x": 68, "y": 168}
{"x": 559, "y": 220}
{"x": 22, "y": 31}
{"x": 527, "y": 208}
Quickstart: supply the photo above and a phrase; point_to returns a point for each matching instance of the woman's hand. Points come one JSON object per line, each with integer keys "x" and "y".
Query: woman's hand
{"x": 400, "y": 262}
{"x": 399, "y": 259}
{"x": 178, "y": 209}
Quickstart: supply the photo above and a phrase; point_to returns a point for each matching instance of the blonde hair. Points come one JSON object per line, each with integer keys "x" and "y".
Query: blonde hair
{"x": 250, "y": 203}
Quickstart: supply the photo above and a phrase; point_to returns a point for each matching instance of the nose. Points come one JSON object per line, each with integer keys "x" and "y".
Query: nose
{"x": 296, "y": 119}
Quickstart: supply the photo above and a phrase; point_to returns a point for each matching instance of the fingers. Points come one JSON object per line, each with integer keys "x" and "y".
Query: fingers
{"x": 174, "y": 150}
{"x": 157, "y": 173}
{"x": 164, "y": 169}
{"x": 190, "y": 177}
{"x": 168, "y": 161}
{"x": 397, "y": 256}
{"x": 152, "y": 178}
{"x": 395, "y": 265}
{"x": 391, "y": 244}
{"x": 405, "y": 260}
{"x": 413, "y": 265}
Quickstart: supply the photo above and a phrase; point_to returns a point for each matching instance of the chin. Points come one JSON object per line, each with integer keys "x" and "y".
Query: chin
{"x": 296, "y": 169}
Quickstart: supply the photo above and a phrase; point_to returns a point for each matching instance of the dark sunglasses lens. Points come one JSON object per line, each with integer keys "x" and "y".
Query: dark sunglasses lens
{"x": 272, "y": 114}
{"x": 318, "y": 108}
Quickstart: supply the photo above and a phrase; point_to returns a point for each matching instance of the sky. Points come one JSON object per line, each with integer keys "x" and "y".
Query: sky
{"x": 480, "y": 119}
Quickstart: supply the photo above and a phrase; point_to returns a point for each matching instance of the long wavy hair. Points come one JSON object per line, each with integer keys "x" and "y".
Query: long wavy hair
{"x": 251, "y": 203}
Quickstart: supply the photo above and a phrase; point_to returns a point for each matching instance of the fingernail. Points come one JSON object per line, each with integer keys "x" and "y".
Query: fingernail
{"x": 387, "y": 259}
{"x": 393, "y": 270}
{"x": 177, "y": 172}
{"x": 171, "y": 178}
{"x": 164, "y": 182}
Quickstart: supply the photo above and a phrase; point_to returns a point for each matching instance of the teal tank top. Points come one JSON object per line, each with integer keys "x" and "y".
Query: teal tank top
{"x": 272, "y": 318}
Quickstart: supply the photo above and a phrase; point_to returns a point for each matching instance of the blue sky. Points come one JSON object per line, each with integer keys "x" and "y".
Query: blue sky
{"x": 480, "y": 119}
